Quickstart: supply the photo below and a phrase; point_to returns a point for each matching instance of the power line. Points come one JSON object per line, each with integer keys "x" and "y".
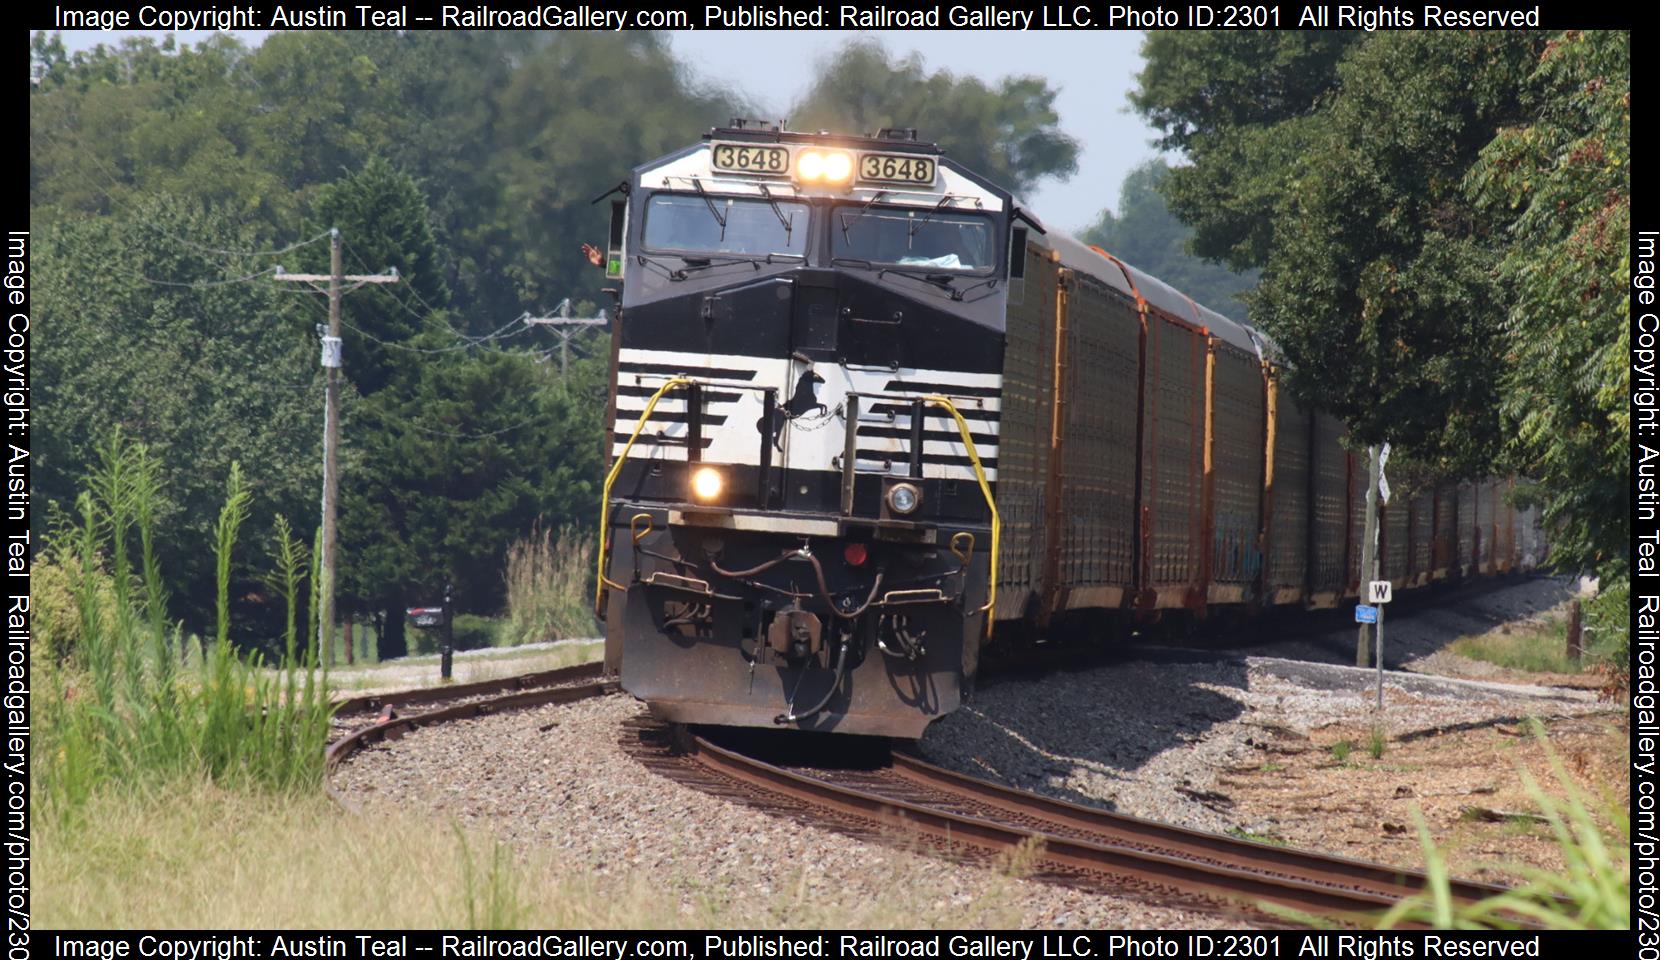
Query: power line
{"x": 432, "y": 315}
{"x": 200, "y": 284}
{"x": 471, "y": 436}
{"x": 560, "y": 320}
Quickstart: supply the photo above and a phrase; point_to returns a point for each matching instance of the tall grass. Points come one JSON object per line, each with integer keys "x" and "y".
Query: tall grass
{"x": 118, "y": 707}
{"x": 547, "y": 586}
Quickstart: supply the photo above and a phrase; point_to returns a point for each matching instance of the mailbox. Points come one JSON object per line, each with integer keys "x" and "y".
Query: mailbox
{"x": 425, "y": 617}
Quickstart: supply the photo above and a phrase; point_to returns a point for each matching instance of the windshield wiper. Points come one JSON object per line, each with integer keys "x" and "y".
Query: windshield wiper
{"x": 864, "y": 208}
{"x": 694, "y": 264}
{"x": 710, "y": 203}
{"x": 910, "y": 233}
{"x": 941, "y": 280}
{"x": 788, "y": 222}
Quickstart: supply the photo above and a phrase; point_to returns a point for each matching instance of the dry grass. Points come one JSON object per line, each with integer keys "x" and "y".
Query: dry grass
{"x": 549, "y": 593}
{"x": 206, "y": 857}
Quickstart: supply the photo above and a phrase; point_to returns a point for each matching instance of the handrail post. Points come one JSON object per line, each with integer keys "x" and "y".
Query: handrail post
{"x": 917, "y": 408}
{"x": 990, "y": 609}
{"x": 850, "y": 452}
{"x": 694, "y": 423}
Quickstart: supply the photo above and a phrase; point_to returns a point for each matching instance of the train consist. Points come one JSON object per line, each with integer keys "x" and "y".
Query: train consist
{"x": 869, "y": 414}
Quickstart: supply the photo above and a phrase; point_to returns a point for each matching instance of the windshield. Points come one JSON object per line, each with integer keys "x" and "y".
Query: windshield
{"x": 935, "y": 239}
{"x": 710, "y": 224}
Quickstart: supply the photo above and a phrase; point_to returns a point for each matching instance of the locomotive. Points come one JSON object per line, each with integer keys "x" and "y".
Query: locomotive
{"x": 868, "y": 413}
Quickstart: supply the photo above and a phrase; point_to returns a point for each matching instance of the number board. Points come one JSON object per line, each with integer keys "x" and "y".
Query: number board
{"x": 897, "y": 168}
{"x": 750, "y": 158}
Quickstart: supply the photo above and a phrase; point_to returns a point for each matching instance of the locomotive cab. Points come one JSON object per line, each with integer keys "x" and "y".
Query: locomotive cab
{"x": 799, "y": 515}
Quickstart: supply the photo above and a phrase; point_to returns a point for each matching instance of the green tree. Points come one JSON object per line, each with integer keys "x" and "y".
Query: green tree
{"x": 1008, "y": 132}
{"x": 1144, "y": 233}
{"x": 480, "y": 447}
{"x": 146, "y": 330}
{"x": 383, "y": 221}
{"x": 1241, "y": 105}
{"x": 1560, "y": 188}
{"x": 1336, "y": 163}
{"x": 1380, "y": 285}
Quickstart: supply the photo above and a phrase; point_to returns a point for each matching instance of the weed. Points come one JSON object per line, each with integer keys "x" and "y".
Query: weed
{"x": 1537, "y": 647}
{"x": 1375, "y": 745}
{"x": 1019, "y": 862}
{"x": 493, "y": 900}
{"x": 1341, "y": 750}
{"x": 120, "y": 706}
{"x": 1255, "y": 837}
{"x": 547, "y": 587}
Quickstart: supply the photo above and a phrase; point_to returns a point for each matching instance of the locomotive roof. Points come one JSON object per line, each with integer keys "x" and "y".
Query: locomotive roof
{"x": 771, "y": 134}
{"x": 1077, "y": 255}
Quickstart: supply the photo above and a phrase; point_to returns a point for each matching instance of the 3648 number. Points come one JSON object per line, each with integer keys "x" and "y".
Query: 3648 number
{"x": 877, "y": 166}
{"x": 752, "y": 159}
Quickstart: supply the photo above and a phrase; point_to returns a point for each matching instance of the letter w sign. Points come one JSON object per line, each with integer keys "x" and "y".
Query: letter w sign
{"x": 1379, "y": 591}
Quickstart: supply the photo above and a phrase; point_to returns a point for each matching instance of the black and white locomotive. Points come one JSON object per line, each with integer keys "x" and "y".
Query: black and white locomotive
{"x": 807, "y": 375}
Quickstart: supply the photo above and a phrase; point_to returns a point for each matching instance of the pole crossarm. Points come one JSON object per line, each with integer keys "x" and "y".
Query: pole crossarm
{"x": 561, "y": 320}
{"x": 358, "y": 279}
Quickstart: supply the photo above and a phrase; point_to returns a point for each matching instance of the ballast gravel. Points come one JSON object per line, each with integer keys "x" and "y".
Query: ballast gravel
{"x": 555, "y": 779}
{"x": 1153, "y": 738}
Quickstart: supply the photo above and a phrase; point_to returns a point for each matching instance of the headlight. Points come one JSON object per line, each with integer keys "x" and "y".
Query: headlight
{"x": 706, "y": 483}
{"x": 824, "y": 166}
{"x": 903, "y": 498}
{"x": 838, "y": 167}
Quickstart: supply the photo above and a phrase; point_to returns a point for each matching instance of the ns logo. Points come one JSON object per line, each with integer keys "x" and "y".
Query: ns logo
{"x": 803, "y": 400}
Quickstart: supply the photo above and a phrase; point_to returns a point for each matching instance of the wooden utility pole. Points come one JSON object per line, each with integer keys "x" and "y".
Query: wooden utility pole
{"x": 331, "y": 424}
{"x": 560, "y": 320}
{"x": 1368, "y": 550}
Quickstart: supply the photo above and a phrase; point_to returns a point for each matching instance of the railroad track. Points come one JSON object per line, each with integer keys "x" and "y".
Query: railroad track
{"x": 462, "y": 701}
{"x": 904, "y": 798}
{"x": 973, "y": 820}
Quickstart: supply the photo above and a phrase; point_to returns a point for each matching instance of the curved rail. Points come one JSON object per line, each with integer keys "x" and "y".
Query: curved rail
{"x": 1105, "y": 849}
{"x": 455, "y": 691}
{"x": 1107, "y": 826}
{"x": 340, "y": 750}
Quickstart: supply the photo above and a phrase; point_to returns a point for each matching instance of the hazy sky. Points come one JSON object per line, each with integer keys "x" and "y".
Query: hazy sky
{"x": 1093, "y": 71}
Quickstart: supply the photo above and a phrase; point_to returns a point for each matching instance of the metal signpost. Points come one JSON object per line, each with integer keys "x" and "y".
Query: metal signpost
{"x": 1378, "y": 593}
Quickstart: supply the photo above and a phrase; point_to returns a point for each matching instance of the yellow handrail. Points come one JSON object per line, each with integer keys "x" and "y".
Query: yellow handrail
{"x": 605, "y": 496}
{"x": 990, "y": 609}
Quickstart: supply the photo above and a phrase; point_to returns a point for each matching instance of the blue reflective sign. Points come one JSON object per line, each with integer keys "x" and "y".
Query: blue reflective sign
{"x": 1365, "y": 614}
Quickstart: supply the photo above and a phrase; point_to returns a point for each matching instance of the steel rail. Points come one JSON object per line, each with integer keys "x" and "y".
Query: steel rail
{"x": 455, "y": 691}
{"x": 1104, "y": 826}
{"x": 1246, "y": 887}
{"x": 341, "y": 750}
